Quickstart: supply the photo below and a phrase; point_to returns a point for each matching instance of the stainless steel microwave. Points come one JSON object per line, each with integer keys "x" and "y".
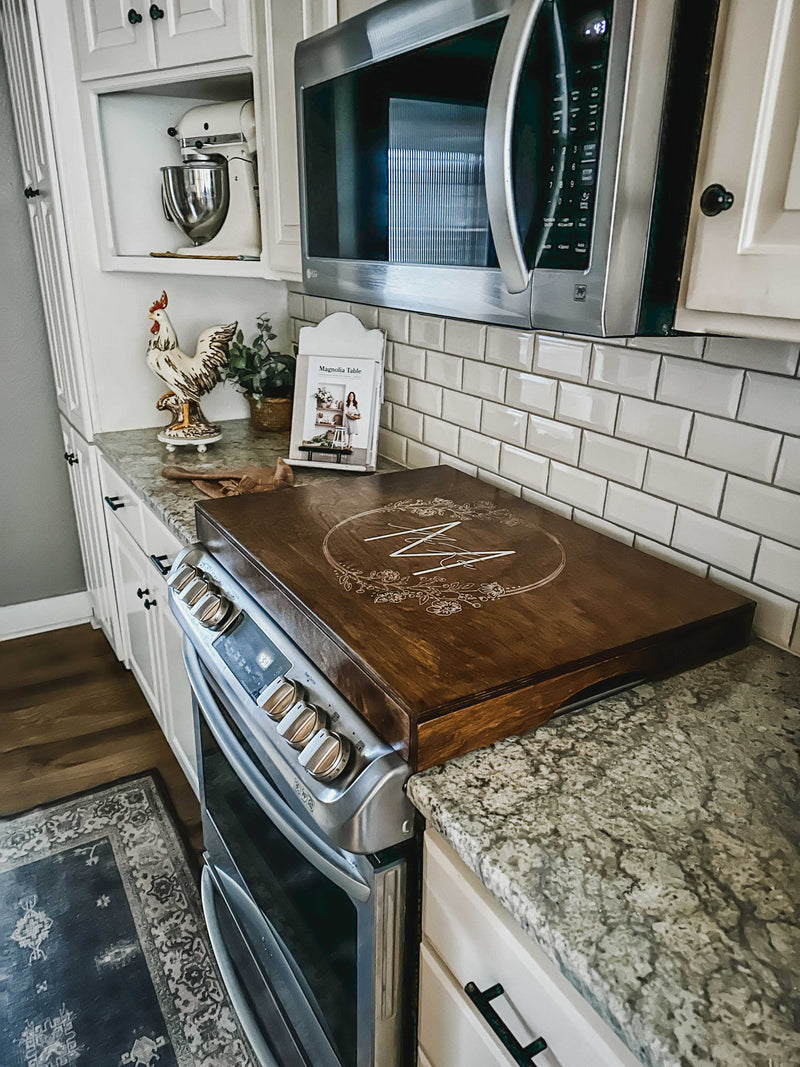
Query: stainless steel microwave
{"x": 527, "y": 162}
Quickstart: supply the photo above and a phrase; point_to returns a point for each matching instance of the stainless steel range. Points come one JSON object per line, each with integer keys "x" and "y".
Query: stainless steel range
{"x": 310, "y": 850}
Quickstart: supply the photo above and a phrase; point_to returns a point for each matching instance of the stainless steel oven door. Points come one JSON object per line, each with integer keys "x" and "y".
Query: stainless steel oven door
{"x": 309, "y": 938}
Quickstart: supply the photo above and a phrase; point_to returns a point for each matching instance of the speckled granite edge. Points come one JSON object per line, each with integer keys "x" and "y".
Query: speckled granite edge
{"x": 651, "y": 846}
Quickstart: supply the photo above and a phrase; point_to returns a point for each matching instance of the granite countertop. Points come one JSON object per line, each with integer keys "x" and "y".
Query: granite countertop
{"x": 649, "y": 844}
{"x": 138, "y": 457}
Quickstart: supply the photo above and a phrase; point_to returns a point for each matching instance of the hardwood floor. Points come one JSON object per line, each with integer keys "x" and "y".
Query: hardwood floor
{"x": 73, "y": 718}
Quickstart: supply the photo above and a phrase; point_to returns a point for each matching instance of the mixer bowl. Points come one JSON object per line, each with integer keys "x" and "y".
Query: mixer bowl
{"x": 195, "y": 197}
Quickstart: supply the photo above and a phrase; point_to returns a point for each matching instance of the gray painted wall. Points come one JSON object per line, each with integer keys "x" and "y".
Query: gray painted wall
{"x": 39, "y": 552}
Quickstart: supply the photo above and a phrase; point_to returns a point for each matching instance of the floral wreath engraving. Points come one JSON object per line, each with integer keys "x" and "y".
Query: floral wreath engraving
{"x": 438, "y": 594}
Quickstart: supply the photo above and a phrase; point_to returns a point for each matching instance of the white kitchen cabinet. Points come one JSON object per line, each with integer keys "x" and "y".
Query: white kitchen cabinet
{"x": 176, "y": 693}
{"x": 742, "y": 271}
{"x": 468, "y": 937}
{"x": 81, "y": 459}
{"x": 114, "y": 37}
{"x": 40, "y": 184}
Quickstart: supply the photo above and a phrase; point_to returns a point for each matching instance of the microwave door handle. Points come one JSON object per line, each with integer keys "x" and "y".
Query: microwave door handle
{"x": 498, "y": 143}
{"x": 320, "y": 855}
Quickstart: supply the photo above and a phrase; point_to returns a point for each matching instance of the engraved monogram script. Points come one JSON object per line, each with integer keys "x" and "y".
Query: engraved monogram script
{"x": 431, "y": 552}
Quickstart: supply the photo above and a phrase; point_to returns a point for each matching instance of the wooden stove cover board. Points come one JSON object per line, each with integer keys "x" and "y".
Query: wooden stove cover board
{"x": 448, "y": 590}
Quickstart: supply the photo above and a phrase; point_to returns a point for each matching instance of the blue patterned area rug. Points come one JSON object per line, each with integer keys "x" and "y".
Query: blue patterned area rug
{"x": 104, "y": 959}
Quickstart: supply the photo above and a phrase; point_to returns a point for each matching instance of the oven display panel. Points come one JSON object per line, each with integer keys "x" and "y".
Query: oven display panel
{"x": 250, "y": 656}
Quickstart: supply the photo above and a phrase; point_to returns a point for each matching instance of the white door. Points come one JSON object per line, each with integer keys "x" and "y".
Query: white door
{"x": 112, "y": 37}
{"x": 746, "y": 258}
{"x": 39, "y": 185}
{"x": 138, "y": 595}
{"x": 199, "y": 31}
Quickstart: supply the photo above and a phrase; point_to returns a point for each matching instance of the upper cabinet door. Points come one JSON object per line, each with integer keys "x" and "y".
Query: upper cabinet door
{"x": 746, "y": 257}
{"x": 113, "y": 37}
{"x": 199, "y": 31}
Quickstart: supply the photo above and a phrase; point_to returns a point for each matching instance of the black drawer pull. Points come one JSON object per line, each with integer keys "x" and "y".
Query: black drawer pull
{"x": 142, "y": 593}
{"x": 523, "y": 1055}
{"x": 134, "y": 16}
{"x": 70, "y": 457}
{"x": 149, "y": 604}
{"x": 159, "y": 563}
{"x": 114, "y": 502}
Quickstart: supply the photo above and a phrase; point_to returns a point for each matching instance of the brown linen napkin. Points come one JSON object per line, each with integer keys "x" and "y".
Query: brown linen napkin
{"x": 235, "y": 482}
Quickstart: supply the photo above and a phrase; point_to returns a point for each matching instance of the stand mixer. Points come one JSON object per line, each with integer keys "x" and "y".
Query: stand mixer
{"x": 213, "y": 195}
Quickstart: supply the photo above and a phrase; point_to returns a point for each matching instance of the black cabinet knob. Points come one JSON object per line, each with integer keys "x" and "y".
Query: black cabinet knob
{"x": 134, "y": 16}
{"x": 156, "y": 12}
{"x": 29, "y": 192}
{"x": 149, "y": 604}
{"x": 70, "y": 457}
{"x": 715, "y": 199}
{"x": 142, "y": 593}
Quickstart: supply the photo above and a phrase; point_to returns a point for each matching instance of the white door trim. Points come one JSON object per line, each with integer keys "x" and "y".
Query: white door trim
{"x": 52, "y": 613}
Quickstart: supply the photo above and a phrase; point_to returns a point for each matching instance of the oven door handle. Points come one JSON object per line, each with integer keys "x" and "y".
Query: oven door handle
{"x": 229, "y": 976}
{"x": 326, "y": 859}
{"x": 498, "y": 143}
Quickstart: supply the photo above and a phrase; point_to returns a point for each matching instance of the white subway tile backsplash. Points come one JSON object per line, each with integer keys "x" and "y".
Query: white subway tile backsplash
{"x": 462, "y": 409}
{"x": 769, "y": 511}
{"x": 788, "y": 473}
{"x": 715, "y": 541}
{"x": 778, "y": 357}
{"x": 618, "y": 460}
{"x": 460, "y": 465}
{"x": 407, "y": 422}
{"x": 408, "y": 361}
{"x": 465, "y": 339}
{"x": 550, "y": 438}
{"x": 700, "y": 386}
{"x": 395, "y": 323}
{"x": 594, "y": 522}
{"x": 392, "y": 445}
{"x": 499, "y": 483}
{"x": 506, "y": 423}
{"x": 441, "y": 435}
{"x": 778, "y": 568}
{"x": 418, "y": 455}
{"x": 481, "y": 379}
{"x": 691, "y": 347}
{"x": 625, "y": 370}
{"x": 480, "y": 450}
{"x": 562, "y": 357}
{"x": 653, "y": 548}
{"x": 583, "y": 406}
{"x": 531, "y": 392}
{"x": 547, "y": 502}
{"x": 573, "y": 486}
{"x": 386, "y": 416}
{"x": 734, "y": 447}
{"x": 395, "y": 388}
{"x": 524, "y": 467}
{"x": 684, "y": 482}
{"x": 775, "y": 615}
{"x": 639, "y": 512}
{"x": 295, "y": 306}
{"x": 426, "y": 332}
{"x": 444, "y": 370}
{"x": 425, "y": 397}
{"x": 509, "y": 348}
{"x": 367, "y": 316}
{"x": 332, "y": 306}
{"x": 314, "y": 307}
{"x": 652, "y": 424}
{"x": 771, "y": 401}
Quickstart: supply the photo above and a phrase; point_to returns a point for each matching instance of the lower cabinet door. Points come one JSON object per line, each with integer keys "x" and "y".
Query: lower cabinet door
{"x": 176, "y": 694}
{"x": 138, "y": 596}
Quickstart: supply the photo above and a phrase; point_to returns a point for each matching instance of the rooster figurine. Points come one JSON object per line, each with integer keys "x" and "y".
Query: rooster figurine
{"x": 189, "y": 377}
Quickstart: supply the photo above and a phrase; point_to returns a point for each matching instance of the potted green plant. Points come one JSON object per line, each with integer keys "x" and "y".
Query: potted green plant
{"x": 265, "y": 377}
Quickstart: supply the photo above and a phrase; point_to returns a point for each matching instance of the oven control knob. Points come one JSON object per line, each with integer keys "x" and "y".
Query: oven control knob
{"x": 180, "y": 578}
{"x": 211, "y": 610}
{"x": 301, "y": 723}
{"x": 325, "y": 756}
{"x": 283, "y": 697}
{"x": 191, "y": 593}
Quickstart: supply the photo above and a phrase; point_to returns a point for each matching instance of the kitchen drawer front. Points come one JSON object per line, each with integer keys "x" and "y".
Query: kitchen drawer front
{"x": 479, "y": 942}
{"x": 160, "y": 543}
{"x": 451, "y": 1033}
{"x": 120, "y": 501}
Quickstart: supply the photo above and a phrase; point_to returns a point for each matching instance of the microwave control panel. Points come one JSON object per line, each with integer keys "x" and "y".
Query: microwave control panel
{"x": 576, "y": 117}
